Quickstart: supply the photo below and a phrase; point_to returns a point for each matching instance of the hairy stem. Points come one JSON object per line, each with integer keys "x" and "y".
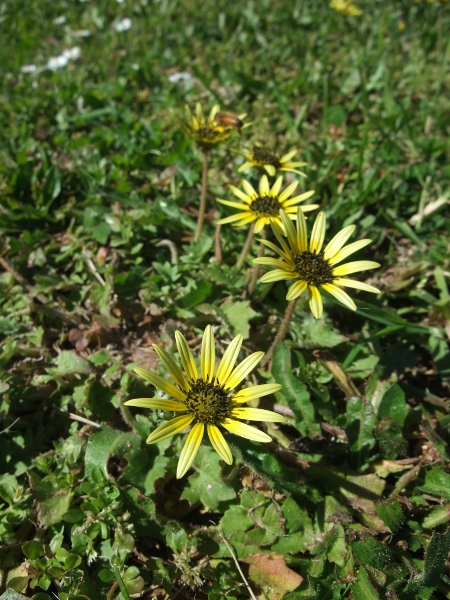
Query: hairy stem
{"x": 281, "y": 332}
{"x": 202, "y": 208}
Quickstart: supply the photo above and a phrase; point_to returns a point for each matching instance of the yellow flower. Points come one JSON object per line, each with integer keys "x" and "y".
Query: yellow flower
{"x": 312, "y": 267}
{"x": 210, "y": 131}
{"x": 345, "y": 7}
{"x": 207, "y": 400}
{"x": 264, "y": 206}
{"x": 264, "y": 159}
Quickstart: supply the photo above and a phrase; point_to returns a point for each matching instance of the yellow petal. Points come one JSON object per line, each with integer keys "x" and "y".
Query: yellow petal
{"x": 298, "y": 199}
{"x": 277, "y": 187}
{"x": 199, "y": 114}
{"x": 239, "y": 194}
{"x": 296, "y": 290}
{"x": 264, "y": 189}
{"x": 301, "y": 232}
{"x": 249, "y": 190}
{"x": 190, "y": 449}
{"x": 257, "y": 414}
{"x": 277, "y": 275}
{"x": 276, "y": 249}
{"x": 160, "y": 383}
{"x": 229, "y": 360}
{"x": 338, "y": 241}
{"x": 212, "y": 115}
{"x": 246, "y": 431}
{"x": 271, "y": 262}
{"x": 255, "y": 391}
{"x": 234, "y": 218}
{"x": 358, "y": 285}
{"x": 287, "y": 157}
{"x": 219, "y": 444}
{"x": 354, "y": 267}
{"x": 239, "y": 205}
{"x": 208, "y": 355}
{"x": 187, "y": 360}
{"x": 287, "y": 192}
{"x": 169, "y": 429}
{"x": 340, "y": 295}
{"x": 245, "y": 166}
{"x": 172, "y": 367}
{"x": 290, "y": 232}
{"x": 243, "y": 369}
{"x": 270, "y": 170}
{"x": 347, "y": 250}
{"x": 157, "y": 404}
{"x": 318, "y": 233}
{"x": 315, "y": 301}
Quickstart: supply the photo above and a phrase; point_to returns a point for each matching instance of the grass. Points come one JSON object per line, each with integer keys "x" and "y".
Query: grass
{"x": 99, "y": 192}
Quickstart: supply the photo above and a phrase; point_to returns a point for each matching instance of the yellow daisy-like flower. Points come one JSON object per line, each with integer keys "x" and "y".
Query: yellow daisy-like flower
{"x": 312, "y": 267}
{"x": 345, "y": 7}
{"x": 264, "y": 206}
{"x": 264, "y": 159}
{"x": 210, "y": 131}
{"x": 207, "y": 399}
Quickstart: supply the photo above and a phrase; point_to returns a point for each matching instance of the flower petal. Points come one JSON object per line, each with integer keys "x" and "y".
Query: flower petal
{"x": 297, "y": 199}
{"x": 315, "y": 301}
{"x": 172, "y": 367}
{"x": 277, "y": 275}
{"x": 229, "y": 360}
{"x": 270, "y": 170}
{"x": 271, "y": 262}
{"x": 245, "y": 166}
{"x": 301, "y": 232}
{"x": 358, "y": 285}
{"x": 234, "y": 218}
{"x": 157, "y": 404}
{"x": 208, "y": 355}
{"x": 287, "y": 157}
{"x": 347, "y": 250}
{"x": 340, "y": 295}
{"x": 264, "y": 189}
{"x": 354, "y": 267}
{"x": 169, "y": 429}
{"x": 318, "y": 233}
{"x": 255, "y": 391}
{"x": 160, "y": 383}
{"x": 257, "y": 414}
{"x": 287, "y": 192}
{"x": 338, "y": 241}
{"x": 219, "y": 444}
{"x": 296, "y": 290}
{"x": 246, "y": 431}
{"x": 187, "y": 360}
{"x": 259, "y": 225}
{"x": 212, "y": 115}
{"x": 276, "y": 249}
{"x": 190, "y": 449}
{"x": 275, "y": 190}
{"x": 290, "y": 232}
{"x": 243, "y": 207}
{"x": 249, "y": 189}
{"x": 243, "y": 369}
{"x": 239, "y": 194}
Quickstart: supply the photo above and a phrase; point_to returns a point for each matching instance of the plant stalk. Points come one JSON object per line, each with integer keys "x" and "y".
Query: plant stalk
{"x": 281, "y": 332}
{"x": 204, "y": 190}
{"x": 245, "y": 250}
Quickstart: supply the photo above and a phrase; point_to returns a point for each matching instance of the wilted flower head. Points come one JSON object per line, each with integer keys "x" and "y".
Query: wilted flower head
{"x": 209, "y": 131}
{"x": 271, "y": 162}
{"x": 345, "y": 7}
{"x": 206, "y": 399}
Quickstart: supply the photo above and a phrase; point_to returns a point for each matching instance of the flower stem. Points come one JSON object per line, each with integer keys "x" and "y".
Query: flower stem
{"x": 281, "y": 332}
{"x": 245, "y": 250}
{"x": 256, "y": 269}
{"x": 202, "y": 208}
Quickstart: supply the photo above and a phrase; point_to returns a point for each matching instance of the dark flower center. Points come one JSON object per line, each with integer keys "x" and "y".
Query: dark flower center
{"x": 208, "y": 134}
{"x": 313, "y": 268}
{"x": 265, "y": 206}
{"x": 262, "y": 156}
{"x": 208, "y": 402}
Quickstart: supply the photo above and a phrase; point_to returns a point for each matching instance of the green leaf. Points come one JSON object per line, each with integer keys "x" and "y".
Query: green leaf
{"x": 295, "y": 392}
{"x": 238, "y": 315}
{"x": 33, "y": 549}
{"x": 362, "y": 588}
{"x": 103, "y": 444}
{"x": 12, "y": 595}
{"x": 72, "y": 561}
{"x": 391, "y": 440}
{"x": 206, "y": 485}
{"x": 437, "y": 483}
{"x": 198, "y": 294}
{"x": 360, "y": 425}
{"x": 370, "y": 552}
{"x": 391, "y": 513}
{"x": 437, "y": 516}
{"x": 133, "y": 581}
{"x": 69, "y": 362}
{"x": 52, "y": 511}
{"x": 393, "y": 405}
